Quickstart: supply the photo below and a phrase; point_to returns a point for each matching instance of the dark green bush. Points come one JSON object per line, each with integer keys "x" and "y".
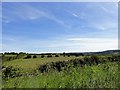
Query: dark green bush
{"x": 28, "y": 56}
{"x": 34, "y": 56}
{"x": 56, "y": 55}
{"x": 42, "y": 56}
{"x": 10, "y": 72}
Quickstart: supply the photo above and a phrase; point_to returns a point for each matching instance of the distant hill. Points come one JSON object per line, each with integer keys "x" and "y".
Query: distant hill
{"x": 103, "y": 52}
{"x": 70, "y": 53}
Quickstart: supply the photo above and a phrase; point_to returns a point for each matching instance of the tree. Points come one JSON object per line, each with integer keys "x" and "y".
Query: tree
{"x": 42, "y": 56}
{"x": 49, "y": 55}
{"x": 64, "y": 54}
{"x": 28, "y": 56}
{"x": 34, "y": 56}
{"x": 56, "y": 55}
{"x": 20, "y": 55}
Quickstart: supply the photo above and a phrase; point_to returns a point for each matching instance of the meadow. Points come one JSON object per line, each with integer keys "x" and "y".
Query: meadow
{"x": 63, "y": 71}
{"x": 97, "y": 76}
{"x": 28, "y": 65}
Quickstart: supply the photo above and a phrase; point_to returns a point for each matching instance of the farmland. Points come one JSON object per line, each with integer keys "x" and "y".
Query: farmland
{"x": 32, "y": 64}
{"x": 62, "y": 71}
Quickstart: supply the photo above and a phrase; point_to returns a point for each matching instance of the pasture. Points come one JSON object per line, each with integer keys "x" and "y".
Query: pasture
{"x": 63, "y": 71}
{"x": 28, "y": 65}
{"x": 97, "y": 76}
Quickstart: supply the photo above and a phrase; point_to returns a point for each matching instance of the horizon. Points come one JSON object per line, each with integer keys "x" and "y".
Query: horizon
{"x": 60, "y": 52}
{"x": 59, "y": 27}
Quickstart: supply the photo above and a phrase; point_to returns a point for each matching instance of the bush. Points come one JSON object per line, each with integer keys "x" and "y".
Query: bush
{"x": 42, "y": 56}
{"x": 7, "y": 58}
{"x": 20, "y": 55}
{"x": 9, "y": 71}
{"x": 94, "y": 59}
{"x": 56, "y": 55}
{"x": 34, "y": 56}
{"x": 28, "y": 56}
{"x": 68, "y": 55}
{"x": 64, "y": 54}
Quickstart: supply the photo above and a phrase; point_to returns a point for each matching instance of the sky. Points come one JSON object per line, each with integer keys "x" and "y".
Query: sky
{"x": 40, "y": 27}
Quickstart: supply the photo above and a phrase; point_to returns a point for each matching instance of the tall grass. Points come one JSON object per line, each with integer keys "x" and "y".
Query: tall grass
{"x": 96, "y": 76}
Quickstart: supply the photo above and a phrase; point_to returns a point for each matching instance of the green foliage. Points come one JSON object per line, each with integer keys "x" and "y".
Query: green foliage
{"x": 9, "y": 71}
{"x": 42, "y": 56}
{"x": 56, "y": 55}
{"x": 20, "y": 55}
{"x": 91, "y": 60}
{"x": 49, "y": 56}
{"x": 34, "y": 56}
{"x": 8, "y": 57}
{"x": 64, "y": 54}
{"x": 94, "y": 59}
{"x": 96, "y": 76}
{"x": 64, "y": 72}
{"x": 28, "y": 56}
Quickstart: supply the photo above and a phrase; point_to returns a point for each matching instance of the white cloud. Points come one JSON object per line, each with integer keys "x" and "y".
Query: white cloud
{"x": 105, "y": 25}
{"x": 28, "y": 12}
{"x": 95, "y": 44}
{"x": 75, "y": 15}
{"x": 64, "y": 44}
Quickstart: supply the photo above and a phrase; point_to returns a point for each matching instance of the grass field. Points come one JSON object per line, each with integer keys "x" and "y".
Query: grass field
{"x": 31, "y": 64}
{"x": 96, "y": 76}
{"x": 26, "y": 73}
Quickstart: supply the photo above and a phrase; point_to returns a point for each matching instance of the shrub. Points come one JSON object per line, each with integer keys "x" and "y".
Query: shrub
{"x": 42, "y": 56}
{"x": 56, "y": 55}
{"x": 68, "y": 55}
{"x": 34, "y": 56}
{"x": 64, "y": 54}
{"x": 9, "y": 71}
{"x": 20, "y": 55}
{"x": 94, "y": 59}
{"x": 28, "y": 56}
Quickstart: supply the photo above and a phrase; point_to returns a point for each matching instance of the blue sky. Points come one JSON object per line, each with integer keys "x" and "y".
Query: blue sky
{"x": 59, "y": 27}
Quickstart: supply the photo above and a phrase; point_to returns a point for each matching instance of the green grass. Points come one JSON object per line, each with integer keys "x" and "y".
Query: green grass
{"x": 96, "y": 76}
{"x": 31, "y": 64}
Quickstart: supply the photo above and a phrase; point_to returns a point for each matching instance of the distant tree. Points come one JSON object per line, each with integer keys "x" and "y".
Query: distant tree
{"x": 64, "y": 54}
{"x": 81, "y": 54}
{"x": 49, "y": 55}
{"x": 68, "y": 55}
{"x": 28, "y": 56}
{"x": 42, "y": 56}
{"x": 61, "y": 54}
{"x": 56, "y": 55}
{"x": 34, "y": 56}
{"x": 20, "y": 55}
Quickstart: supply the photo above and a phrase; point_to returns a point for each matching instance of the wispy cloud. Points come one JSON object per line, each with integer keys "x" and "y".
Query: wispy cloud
{"x": 91, "y": 39}
{"x": 21, "y": 11}
{"x": 105, "y": 19}
{"x": 63, "y": 44}
{"x": 75, "y": 15}
{"x": 86, "y": 20}
{"x": 110, "y": 8}
{"x": 25, "y": 11}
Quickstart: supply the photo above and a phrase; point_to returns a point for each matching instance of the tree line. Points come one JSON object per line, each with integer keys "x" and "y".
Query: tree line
{"x": 8, "y": 56}
{"x": 87, "y": 60}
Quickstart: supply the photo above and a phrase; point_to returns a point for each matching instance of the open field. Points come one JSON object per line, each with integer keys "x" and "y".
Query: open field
{"x": 32, "y": 64}
{"x": 63, "y": 71}
{"x": 97, "y": 76}
{"x": 67, "y": 45}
